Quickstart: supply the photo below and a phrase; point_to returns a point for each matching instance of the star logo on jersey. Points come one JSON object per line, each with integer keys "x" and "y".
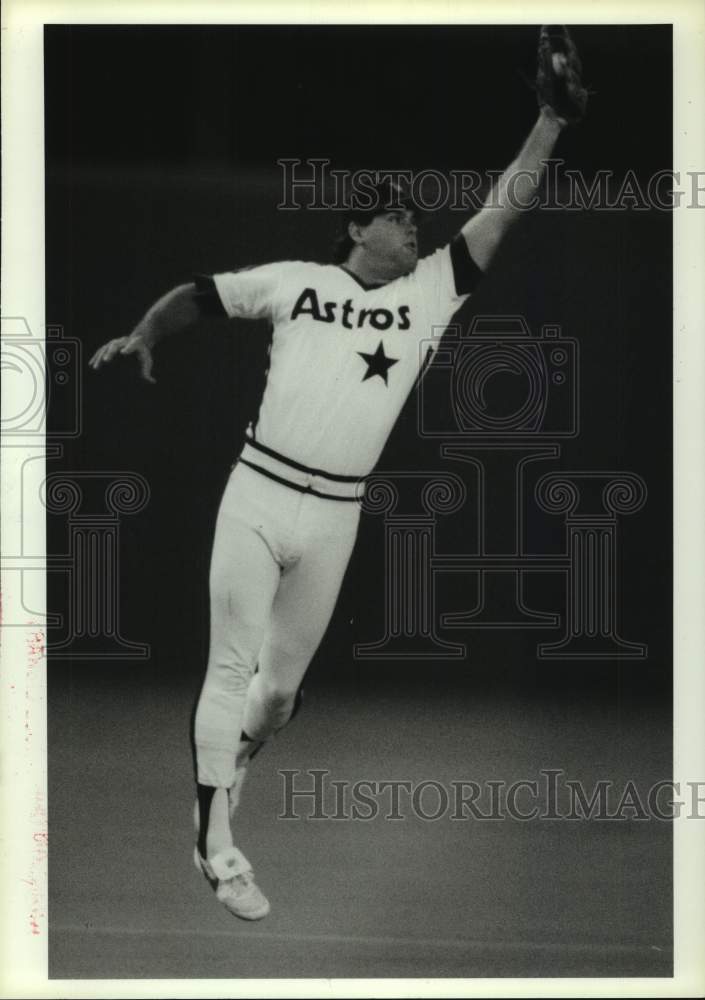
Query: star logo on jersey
{"x": 377, "y": 363}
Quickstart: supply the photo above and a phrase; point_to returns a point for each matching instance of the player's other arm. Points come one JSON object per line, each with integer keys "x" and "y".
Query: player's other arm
{"x": 246, "y": 294}
{"x": 562, "y": 100}
{"x": 173, "y": 312}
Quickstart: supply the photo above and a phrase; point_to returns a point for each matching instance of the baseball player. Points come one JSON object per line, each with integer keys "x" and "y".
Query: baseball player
{"x": 349, "y": 340}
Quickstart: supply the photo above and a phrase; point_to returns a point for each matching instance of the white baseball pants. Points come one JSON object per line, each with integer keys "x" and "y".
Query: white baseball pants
{"x": 278, "y": 561}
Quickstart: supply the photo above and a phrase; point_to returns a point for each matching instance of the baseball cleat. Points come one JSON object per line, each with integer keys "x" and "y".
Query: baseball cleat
{"x": 230, "y": 875}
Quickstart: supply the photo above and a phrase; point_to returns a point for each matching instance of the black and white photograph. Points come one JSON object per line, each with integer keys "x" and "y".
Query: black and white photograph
{"x": 345, "y": 501}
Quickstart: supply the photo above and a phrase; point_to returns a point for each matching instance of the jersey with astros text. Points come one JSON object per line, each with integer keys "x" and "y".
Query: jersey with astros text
{"x": 344, "y": 355}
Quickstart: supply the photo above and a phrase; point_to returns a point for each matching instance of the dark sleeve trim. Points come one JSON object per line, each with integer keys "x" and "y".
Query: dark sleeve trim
{"x": 465, "y": 271}
{"x": 206, "y": 296}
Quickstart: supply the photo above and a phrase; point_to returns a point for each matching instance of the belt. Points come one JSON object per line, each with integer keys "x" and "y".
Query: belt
{"x": 300, "y": 477}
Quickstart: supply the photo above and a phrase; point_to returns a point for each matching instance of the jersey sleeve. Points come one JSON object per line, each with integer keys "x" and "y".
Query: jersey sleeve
{"x": 250, "y": 293}
{"x": 446, "y": 278}
{"x": 466, "y": 273}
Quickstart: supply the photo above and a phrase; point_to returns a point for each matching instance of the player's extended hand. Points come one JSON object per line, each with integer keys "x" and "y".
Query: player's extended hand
{"x": 134, "y": 344}
{"x": 559, "y": 85}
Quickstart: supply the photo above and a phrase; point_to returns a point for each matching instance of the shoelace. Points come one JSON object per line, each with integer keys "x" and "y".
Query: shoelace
{"x": 244, "y": 879}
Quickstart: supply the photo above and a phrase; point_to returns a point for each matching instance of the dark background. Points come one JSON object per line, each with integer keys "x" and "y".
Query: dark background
{"x": 161, "y": 150}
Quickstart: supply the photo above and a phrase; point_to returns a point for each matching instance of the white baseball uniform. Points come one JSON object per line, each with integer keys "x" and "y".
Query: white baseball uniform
{"x": 344, "y": 357}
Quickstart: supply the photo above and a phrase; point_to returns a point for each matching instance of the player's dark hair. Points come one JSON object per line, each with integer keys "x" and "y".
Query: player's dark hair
{"x": 388, "y": 195}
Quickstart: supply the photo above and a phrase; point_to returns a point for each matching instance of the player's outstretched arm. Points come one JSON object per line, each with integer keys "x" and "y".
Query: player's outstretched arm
{"x": 562, "y": 101}
{"x": 173, "y": 312}
{"x": 513, "y": 192}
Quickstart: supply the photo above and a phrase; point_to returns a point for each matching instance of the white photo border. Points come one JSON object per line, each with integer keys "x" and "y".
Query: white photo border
{"x": 23, "y": 954}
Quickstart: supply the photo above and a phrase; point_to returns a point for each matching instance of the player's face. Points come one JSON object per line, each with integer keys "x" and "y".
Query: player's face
{"x": 390, "y": 240}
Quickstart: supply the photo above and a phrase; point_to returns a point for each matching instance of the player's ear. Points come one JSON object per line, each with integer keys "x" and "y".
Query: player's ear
{"x": 355, "y": 232}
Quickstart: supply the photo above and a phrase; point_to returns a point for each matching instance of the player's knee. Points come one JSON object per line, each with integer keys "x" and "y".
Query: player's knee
{"x": 277, "y": 693}
{"x": 230, "y": 674}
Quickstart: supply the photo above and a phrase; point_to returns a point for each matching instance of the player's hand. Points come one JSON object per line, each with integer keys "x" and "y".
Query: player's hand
{"x": 559, "y": 86}
{"x": 134, "y": 344}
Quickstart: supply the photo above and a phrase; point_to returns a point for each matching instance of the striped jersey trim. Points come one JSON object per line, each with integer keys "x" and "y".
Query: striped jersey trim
{"x": 302, "y": 468}
{"x": 297, "y": 486}
{"x": 300, "y": 477}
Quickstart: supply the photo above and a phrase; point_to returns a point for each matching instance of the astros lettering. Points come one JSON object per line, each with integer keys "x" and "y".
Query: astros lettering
{"x": 381, "y": 319}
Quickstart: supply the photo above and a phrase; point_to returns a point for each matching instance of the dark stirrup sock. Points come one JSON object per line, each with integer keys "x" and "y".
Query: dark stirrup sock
{"x": 205, "y": 795}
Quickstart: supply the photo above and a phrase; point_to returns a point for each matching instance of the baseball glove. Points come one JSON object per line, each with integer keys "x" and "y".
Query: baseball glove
{"x": 558, "y": 80}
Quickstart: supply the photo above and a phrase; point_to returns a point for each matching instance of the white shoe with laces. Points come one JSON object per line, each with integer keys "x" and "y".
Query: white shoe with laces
{"x": 231, "y": 877}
